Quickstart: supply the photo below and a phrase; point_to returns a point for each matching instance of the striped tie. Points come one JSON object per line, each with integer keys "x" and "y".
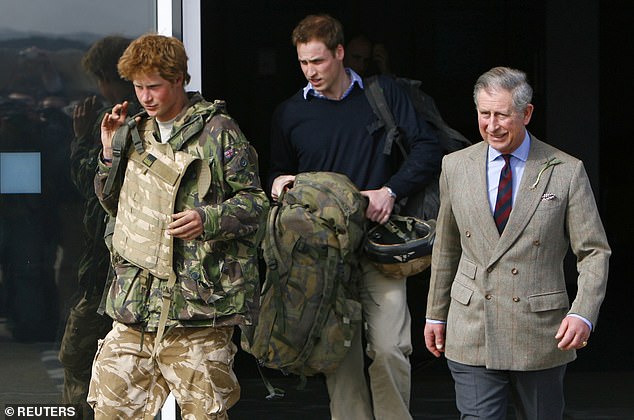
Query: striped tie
{"x": 504, "y": 200}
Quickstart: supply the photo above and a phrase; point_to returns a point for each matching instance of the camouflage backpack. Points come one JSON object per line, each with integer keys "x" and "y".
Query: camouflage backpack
{"x": 309, "y": 309}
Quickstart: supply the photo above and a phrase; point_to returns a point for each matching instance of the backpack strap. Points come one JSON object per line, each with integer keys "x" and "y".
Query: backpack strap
{"x": 376, "y": 98}
{"x": 275, "y": 260}
{"x": 120, "y": 144}
{"x": 165, "y": 306}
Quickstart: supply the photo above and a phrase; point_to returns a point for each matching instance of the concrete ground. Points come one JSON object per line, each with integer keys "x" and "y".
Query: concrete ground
{"x": 30, "y": 373}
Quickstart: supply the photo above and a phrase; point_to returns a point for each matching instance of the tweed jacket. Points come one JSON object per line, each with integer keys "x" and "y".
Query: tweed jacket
{"x": 504, "y": 296}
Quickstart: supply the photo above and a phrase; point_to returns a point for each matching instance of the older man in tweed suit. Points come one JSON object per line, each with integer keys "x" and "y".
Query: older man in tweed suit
{"x": 498, "y": 305}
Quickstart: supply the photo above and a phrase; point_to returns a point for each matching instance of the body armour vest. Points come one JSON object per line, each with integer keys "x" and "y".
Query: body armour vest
{"x": 147, "y": 200}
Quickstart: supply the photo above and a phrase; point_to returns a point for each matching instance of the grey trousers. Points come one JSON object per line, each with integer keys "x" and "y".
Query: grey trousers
{"x": 483, "y": 393}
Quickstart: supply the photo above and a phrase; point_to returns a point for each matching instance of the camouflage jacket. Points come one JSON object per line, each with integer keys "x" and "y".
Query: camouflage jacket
{"x": 217, "y": 275}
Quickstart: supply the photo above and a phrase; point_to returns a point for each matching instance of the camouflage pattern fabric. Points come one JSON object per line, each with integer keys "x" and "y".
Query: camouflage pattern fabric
{"x": 79, "y": 345}
{"x": 310, "y": 309}
{"x": 141, "y": 224}
{"x": 217, "y": 276}
{"x": 195, "y": 364}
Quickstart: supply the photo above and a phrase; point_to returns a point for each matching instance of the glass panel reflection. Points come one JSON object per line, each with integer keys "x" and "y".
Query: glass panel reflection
{"x": 42, "y": 209}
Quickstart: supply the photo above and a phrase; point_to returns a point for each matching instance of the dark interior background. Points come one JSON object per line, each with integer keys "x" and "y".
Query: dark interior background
{"x": 573, "y": 52}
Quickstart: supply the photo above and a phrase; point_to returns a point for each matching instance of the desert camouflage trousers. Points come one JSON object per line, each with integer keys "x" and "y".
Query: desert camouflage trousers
{"x": 84, "y": 328}
{"x": 194, "y": 364}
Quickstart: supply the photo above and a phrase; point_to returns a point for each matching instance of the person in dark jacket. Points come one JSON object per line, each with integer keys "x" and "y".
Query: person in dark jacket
{"x": 329, "y": 125}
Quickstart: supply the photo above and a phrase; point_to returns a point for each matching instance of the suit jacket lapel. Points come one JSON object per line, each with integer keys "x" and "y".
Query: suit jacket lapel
{"x": 527, "y": 198}
{"x": 478, "y": 195}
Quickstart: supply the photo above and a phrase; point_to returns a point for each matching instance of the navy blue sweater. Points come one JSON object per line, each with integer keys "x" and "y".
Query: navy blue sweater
{"x": 317, "y": 134}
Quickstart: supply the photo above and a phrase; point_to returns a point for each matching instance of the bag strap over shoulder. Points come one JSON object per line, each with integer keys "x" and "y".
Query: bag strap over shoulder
{"x": 120, "y": 144}
{"x": 376, "y": 98}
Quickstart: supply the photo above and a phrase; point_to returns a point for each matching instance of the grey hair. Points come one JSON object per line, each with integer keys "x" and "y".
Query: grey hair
{"x": 506, "y": 78}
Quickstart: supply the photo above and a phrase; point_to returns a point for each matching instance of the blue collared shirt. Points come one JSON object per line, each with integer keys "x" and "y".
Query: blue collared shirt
{"x": 495, "y": 163}
{"x": 354, "y": 78}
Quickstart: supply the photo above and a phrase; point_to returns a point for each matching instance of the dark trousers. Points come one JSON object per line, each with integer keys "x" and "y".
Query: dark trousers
{"x": 483, "y": 393}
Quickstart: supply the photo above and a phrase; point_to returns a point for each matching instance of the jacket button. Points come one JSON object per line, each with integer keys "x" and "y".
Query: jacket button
{"x": 195, "y": 275}
{"x": 514, "y": 271}
{"x": 537, "y": 243}
{"x": 516, "y": 299}
{"x": 467, "y": 234}
{"x": 488, "y": 297}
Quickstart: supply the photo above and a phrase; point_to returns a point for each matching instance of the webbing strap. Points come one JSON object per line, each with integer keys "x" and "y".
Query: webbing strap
{"x": 274, "y": 393}
{"x": 394, "y": 229}
{"x": 136, "y": 138}
{"x": 275, "y": 262}
{"x": 280, "y": 264}
{"x": 167, "y": 300}
{"x": 156, "y": 167}
{"x": 120, "y": 145}
{"x": 377, "y": 101}
{"x": 166, "y": 297}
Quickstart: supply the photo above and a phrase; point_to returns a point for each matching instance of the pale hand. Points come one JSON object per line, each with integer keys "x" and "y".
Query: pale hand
{"x": 435, "y": 338}
{"x": 573, "y": 333}
{"x": 280, "y": 183}
{"x": 109, "y": 125}
{"x": 380, "y": 205}
{"x": 187, "y": 225}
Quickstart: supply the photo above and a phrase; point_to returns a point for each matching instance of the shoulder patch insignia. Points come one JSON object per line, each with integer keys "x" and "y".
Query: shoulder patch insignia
{"x": 229, "y": 153}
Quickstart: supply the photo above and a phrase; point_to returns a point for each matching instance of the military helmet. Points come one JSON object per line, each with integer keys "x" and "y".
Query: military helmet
{"x": 402, "y": 246}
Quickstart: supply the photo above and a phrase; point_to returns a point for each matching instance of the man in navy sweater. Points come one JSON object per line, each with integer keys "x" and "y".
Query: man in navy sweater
{"x": 329, "y": 126}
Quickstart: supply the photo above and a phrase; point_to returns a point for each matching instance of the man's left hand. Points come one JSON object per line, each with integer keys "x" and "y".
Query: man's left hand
{"x": 187, "y": 225}
{"x": 573, "y": 333}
